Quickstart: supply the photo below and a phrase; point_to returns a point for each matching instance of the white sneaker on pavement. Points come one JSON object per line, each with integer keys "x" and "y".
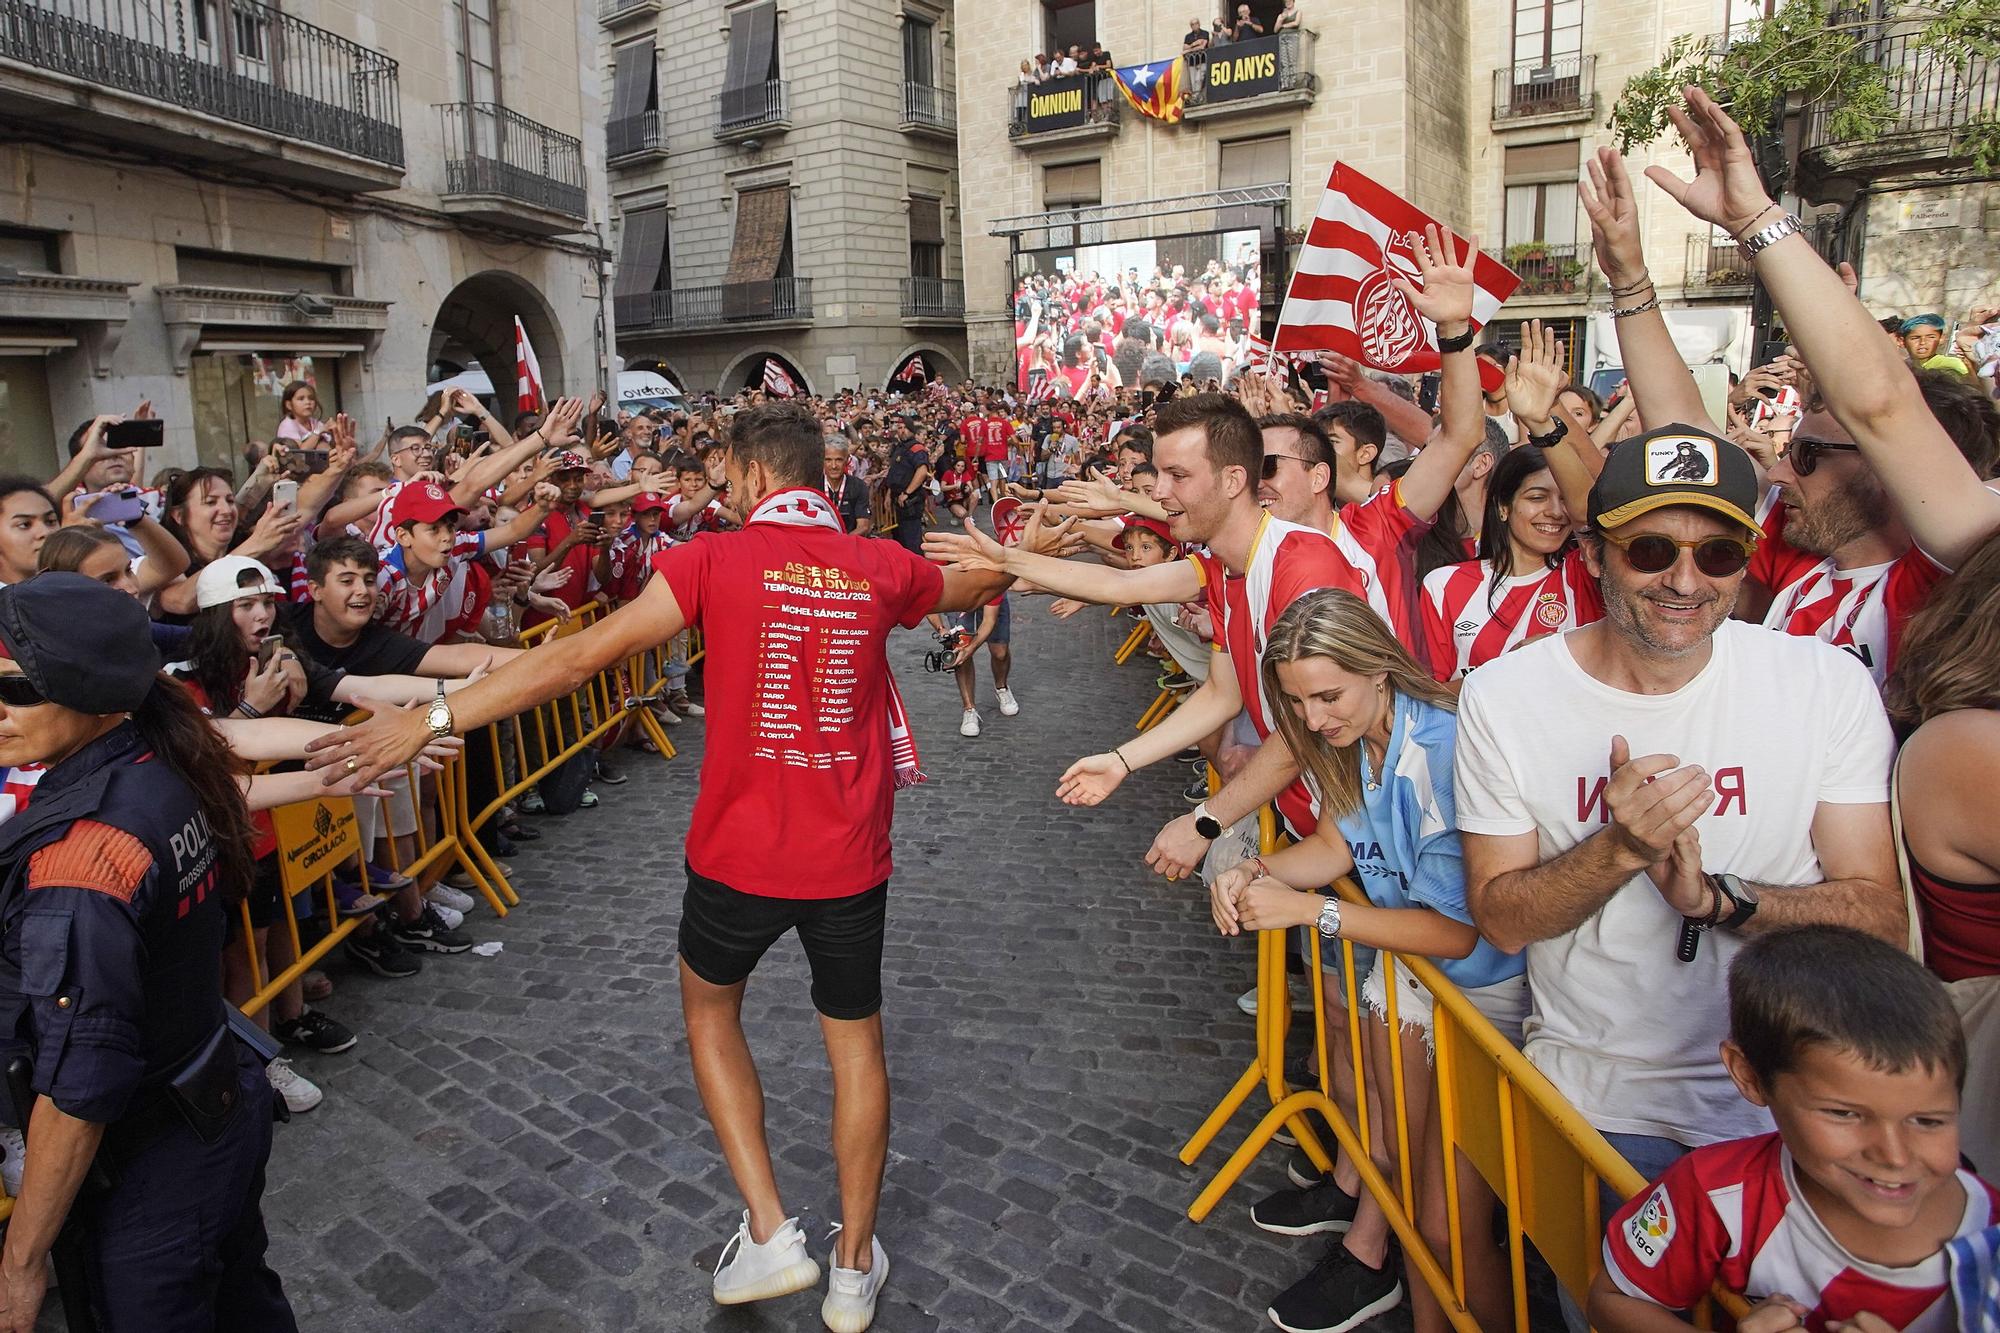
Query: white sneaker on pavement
{"x": 444, "y": 895}
{"x": 299, "y": 1092}
{"x": 1009, "y": 705}
{"x": 850, "y": 1293}
{"x": 451, "y": 916}
{"x": 780, "y": 1266}
{"x": 969, "y": 724}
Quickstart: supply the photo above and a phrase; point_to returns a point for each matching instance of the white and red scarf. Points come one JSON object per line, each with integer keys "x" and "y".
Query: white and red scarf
{"x": 807, "y": 508}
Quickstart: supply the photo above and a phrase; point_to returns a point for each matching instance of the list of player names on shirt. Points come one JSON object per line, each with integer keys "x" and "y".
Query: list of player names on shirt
{"x": 807, "y": 665}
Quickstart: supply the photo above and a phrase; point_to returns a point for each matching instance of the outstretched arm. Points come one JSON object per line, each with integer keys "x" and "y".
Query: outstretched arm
{"x": 1446, "y": 300}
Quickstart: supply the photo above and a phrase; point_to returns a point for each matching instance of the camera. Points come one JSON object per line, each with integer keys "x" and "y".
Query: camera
{"x": 949, "y": 643}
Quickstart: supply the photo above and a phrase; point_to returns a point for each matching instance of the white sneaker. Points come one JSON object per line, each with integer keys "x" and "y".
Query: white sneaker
{"x": 17, "y": 1153}
{"x": 1009, "y": 705}
{"x": 969, "y": 724}
{"x": 850, "y": 1293}
{"x": 444, "y": 895}
{"x": 451, "y": 916}
{"x": 780, "y": 1266}
{"x": 1247, "y": 1002}
{"x": 300, "y": 1093}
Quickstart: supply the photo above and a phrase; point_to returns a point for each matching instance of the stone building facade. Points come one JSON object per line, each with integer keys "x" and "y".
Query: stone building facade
{"x": 202, "y": 200}
{"x": 785, "y": 177}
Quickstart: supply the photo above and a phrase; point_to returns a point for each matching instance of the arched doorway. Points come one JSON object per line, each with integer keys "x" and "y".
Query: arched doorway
{"x": 938, "y": 367}
{"x": 748, "y": 372}
{"x": 475, "y": 325}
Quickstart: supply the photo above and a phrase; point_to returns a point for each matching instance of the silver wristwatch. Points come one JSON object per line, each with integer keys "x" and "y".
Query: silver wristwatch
{"x": 438, "y": 716}
{"x": 1766, "y": 237}
{"x": 1329, "y": 918}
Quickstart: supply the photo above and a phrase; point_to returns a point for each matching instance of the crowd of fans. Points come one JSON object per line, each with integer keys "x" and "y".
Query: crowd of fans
{"x": 1602, "y": 706}
{"x": 1239, "y": 25}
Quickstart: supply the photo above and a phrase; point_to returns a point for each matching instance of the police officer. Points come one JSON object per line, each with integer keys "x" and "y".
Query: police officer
{"x": 151, "y": 1122}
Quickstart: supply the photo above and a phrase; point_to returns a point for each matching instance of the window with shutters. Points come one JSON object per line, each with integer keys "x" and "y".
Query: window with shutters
{"x": 645, "y": 269}
{"x": 1072, "y": 185}
{"x": 1262, "y": 161}
{"x": 752, "y": 88}
{"x": 760, "y": 255}
{"x": 919, "y": 51}
{"x": 1540, "y": 229}
{"x": 634, "y": 125}
{"x": 926, "y": 237}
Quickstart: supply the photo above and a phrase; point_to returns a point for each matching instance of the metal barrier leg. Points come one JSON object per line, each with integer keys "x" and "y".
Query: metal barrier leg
{"x": 1132, "y": 642}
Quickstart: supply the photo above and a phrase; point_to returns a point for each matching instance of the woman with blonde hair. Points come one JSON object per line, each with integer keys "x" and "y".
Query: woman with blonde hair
{"x": 1376, "y": 736}
{"x": 1944, "y": 696}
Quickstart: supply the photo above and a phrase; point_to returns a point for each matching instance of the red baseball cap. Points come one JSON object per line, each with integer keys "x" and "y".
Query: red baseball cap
{"x": 422, "y": 502}
{"x": 570, "y": 461}
{"x": 1152, "y": 525}
{"x": 645, "y": 503}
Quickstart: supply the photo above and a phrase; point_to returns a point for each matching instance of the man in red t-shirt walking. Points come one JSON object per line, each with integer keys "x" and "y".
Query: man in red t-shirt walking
{"x": 806, "y": 746}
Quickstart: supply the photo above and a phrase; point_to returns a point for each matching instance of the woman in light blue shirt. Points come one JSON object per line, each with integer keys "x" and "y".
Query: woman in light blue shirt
{"x": 1375, "y": 736}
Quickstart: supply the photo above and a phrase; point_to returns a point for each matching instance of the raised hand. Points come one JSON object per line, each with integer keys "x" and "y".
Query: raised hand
{"x": 1445, "y": 299}
{"x": 1536, "y": 378}
{"x": 76, "y": 508}
{"x": 1726, "y": 190}
{"x": 1613, "y": 211}
{"x": 560, "y": 422}
{"x": 1041, "y": 537}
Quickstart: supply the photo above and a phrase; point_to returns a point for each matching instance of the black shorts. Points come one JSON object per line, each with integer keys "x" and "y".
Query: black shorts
{"x": 724, "y": 932}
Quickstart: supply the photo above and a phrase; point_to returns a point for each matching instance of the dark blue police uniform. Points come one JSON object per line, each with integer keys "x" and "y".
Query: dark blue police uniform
{"x": 111, "y": 936}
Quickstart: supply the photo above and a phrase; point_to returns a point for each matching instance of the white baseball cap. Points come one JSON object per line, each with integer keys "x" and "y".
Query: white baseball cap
{"x": 221, "y": 581}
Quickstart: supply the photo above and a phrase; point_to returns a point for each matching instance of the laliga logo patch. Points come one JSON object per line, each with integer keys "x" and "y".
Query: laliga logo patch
{"x": 1651, "y": 1229}
{"x": 1391, "y": 331}
{"x": 1549, "y": 610}
{"x": 1681, "y": 460}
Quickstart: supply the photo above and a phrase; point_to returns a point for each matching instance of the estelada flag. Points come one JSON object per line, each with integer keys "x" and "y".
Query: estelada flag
{"x": 1153, "y": 90}
{"x": 1343, "y": 297}
{"x": 527, "y": 372}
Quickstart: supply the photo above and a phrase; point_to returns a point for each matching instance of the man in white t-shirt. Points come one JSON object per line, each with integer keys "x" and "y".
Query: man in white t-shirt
{"x": 1637, "y": 794}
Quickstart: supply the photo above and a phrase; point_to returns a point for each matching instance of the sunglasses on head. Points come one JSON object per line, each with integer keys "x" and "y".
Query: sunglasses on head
{"x": 1804, "y": 454}
{"x": 1655, "y": 553}
{"x": 1269, "y": 469}
{"x": 20, "y": 692}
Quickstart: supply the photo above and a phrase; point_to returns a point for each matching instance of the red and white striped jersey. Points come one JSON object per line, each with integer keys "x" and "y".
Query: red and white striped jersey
{"x": 1380, "y": 536}
{"x": 17, "y": 785}
{"x": 1470, "y": 617}
{"x": 380, "y": 533}
{"x": 1733, "y": 1212}
{"x": 1862, "y": 609}
{"x": 630, "y": 561}
{"x": 424, "y": 608}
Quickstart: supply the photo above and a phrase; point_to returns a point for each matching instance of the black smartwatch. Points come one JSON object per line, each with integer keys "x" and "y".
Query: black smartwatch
{"x": 1557, "y": 434}
{"x": 1456, "y": 342}
{"x": 1206, "y": 824}
{"x": 1738, "y": 897}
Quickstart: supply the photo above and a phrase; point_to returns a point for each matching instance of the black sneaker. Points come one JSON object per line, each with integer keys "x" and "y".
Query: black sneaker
{"x": 1197, "y": 790}
{"x": 609, "y": 773}
{"x": 383, "y": 955}
{"x": 1299, "y": 1169}
{"x": 1306, "y": 1212}
{"x": 429, "y": 932}
{"x": 1339, "y": 1293}
{"x": 1191, "y": 755}
{"x": 316, "y": 1032}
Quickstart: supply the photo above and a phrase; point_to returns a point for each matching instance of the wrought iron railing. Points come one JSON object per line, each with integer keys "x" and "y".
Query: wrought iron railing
{"x": 925, "y": 105}
{"x": 1715, "y": 265}
{"x": 751, "y": 107}
{"x": 608, "y": 10}
{"x": 1932, "y": 97}
{"x": 237, "y": 59}
{"x": 1539, "y": 88}
{"x": 1100, "y": 102}
{"x": 715, "y": 305}
{"x": 1548, "y": 270}
{"x": 634, "y": 134}
{"x": 942, "y": 298}
{"x": 1296, "y": 66}
{"x": 490, "y": 150}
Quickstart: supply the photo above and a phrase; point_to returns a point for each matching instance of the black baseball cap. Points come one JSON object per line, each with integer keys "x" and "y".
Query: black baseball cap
{"x": 1674, "y": 465}
{"x": 83, "y": 644}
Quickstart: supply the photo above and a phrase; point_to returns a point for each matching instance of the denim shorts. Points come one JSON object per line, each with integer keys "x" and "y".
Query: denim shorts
{"x": 1003, "y": 624}
{"x": 725, "y": 932}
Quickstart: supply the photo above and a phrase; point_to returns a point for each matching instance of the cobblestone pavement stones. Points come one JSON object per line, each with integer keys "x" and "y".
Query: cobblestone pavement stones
{"x": 516, "y": 1146}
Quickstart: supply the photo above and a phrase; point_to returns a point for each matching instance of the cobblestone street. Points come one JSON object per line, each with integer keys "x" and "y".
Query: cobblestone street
{"x": 517, "y": 1143}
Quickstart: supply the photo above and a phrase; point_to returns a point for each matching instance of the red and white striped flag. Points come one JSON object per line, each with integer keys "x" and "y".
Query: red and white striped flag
{"x": 527, "y": 372}
{"x": 1042, "y": 388}
{"x": 1342, "y": 296}
{"x": 914, "y": 372}
{"x": 776, "y": 381}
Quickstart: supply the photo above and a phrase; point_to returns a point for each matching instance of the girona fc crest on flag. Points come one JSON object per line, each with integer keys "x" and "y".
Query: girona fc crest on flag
{"x": 1343, "y": 295}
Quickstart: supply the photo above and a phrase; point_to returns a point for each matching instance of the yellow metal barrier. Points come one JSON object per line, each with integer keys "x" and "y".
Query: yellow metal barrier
{"x": 1160, "y": 709}
{"x": 1133, "y": 642}
{"x": 1541, "y": 1158}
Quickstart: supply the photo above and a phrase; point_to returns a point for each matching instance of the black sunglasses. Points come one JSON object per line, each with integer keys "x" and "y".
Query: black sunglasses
{"x": 1655, "y": 552}
{"x": 1804, "y": 454}
{"x": 1269, "y": 468}
{"x": 20, "y": 692}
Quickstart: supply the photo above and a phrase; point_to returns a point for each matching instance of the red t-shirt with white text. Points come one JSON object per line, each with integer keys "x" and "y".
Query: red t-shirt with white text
{"x": 797, "y": 783}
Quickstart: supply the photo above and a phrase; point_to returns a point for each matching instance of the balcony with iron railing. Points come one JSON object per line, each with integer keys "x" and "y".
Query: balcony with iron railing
{"x": 927, "y": 299}
{"x": 1074, "y": 106}
{"x": 215, "y": 79}
{"x": 631, "y": 139}
{"x": 718, "y": 305}
{"x": 928, "y": 110}
{"x": 1715, "y": 266}
{"x": 613, "y": 12}
{"x": 1549, "y": 272}
{"x": 1532, "y": 92}
{"x": 1933, "y": 101}
{"x": 1252, "y": 75}
{"x": 502, "y": 168}
{"x": 753, "y": 111}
